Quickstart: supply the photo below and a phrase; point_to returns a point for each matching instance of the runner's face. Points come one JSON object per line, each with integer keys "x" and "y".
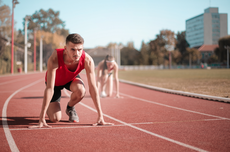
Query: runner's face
{"x": 74, "y": 51}
{"x": 110, "y": 65}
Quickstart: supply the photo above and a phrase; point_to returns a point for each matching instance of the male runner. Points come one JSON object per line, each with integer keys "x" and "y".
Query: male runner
{"x": 63, "y": 68}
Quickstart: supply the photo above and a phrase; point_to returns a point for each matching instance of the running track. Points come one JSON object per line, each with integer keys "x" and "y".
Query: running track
{"x": 144, "y": 120}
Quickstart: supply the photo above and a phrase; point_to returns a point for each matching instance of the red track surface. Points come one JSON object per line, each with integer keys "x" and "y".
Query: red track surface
{"x": 145, "y": 120}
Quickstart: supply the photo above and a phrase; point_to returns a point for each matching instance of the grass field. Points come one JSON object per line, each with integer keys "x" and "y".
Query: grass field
{"x": 215, "y": 82}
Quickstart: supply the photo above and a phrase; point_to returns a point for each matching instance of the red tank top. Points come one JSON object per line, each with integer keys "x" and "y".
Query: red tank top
{"x": 63, "y": 75}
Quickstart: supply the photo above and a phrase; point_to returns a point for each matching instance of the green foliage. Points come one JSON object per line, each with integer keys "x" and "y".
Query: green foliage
{"x": 5, "y": 21}
{"x": 192, "y": 54}
{"x": 47, "y": 21}
{"x": 144, "y": 54}
{"x": 52, "y": 28}
{"x": 5, "y": 61}
{"x": 158, "y": 51}
{"x": 181, "y": 46}
{"x": 176, "y": 57}
{"x": 129, "y": 55}
{"x": 213, "y": 59}
{"x": 221, "y": 52}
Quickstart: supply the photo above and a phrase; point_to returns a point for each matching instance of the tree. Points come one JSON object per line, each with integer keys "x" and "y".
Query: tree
{"x": 157, "y": 51}
{"x": 164, "y": 42}
{"x": 169, "y": 39}
{"x": 176, "y": 56}
{"x": 5, "y": 34}
{"x": 221, "y": 52}
{"x": 129, "y": 55}
{"x": 192, "y": 55}
{"x": 51, "y": 41}
{"x": 47, "y": 21}
{"x": 213, "y": 59}
{"x": 49, "y": 26}
{"x": 5, "y": 21}
{"x": 2, "y": 45}
{"x": 181, "y": 45}
{"x": 144, "y": 54}
{"x": 5, "y": 60}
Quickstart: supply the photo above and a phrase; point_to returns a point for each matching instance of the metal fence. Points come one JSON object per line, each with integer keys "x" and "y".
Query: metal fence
{"x": 154, "y": 67}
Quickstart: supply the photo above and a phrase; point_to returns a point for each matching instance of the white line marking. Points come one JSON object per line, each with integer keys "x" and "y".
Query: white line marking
{"x": 174, "y": 107}
{"x": 23, "y": 91}
{"x": 13, "y": 81}
{"x": 9, "y": 137}
{"x": 117, "y": 125}
{"x": 143, "y": 130}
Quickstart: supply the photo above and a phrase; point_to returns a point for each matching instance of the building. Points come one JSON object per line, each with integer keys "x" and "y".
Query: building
{"x": 207, "y": 51}
{"x": 206, "y": 28}
{"x": 18, "y": 54}
{"x": 98, "y": 54}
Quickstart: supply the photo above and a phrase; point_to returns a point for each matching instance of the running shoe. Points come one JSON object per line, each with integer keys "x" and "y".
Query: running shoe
{"x": 103, "y": 94}
{"x": 71, "y": 112}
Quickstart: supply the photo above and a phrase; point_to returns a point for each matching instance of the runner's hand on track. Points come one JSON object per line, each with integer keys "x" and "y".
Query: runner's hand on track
{"x": 118, "y": 96}
{"x": 42, "y": 124}
{"x": 102, "y": 122}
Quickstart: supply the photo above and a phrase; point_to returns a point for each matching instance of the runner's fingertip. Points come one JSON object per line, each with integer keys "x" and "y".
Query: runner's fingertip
{"x": 95, "y": 124}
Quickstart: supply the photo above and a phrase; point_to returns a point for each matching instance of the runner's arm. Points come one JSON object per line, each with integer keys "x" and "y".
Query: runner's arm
{"x": 98, "y": 77}
{"x": 48, "y": 93}
{"x": 49, "y": 90}
{"x": 116, "y": 80}
{"x": 93, "y": 90}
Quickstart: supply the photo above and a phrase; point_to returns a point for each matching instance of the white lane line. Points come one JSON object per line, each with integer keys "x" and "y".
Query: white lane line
{"x": 23, "y": 91}
{"x": 8, "y": 135}
{"x": 175, "y": 107}
{"x": 117, "y": 125}
{"x": 143, "y": 130}
{"x": 13, "y": 81}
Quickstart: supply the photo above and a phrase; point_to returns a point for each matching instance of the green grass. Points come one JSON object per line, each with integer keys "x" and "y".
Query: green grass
{"x": 214, "y": 82}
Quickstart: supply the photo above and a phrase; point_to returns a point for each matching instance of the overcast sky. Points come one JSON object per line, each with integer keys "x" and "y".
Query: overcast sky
{"x": 100, "y": 22}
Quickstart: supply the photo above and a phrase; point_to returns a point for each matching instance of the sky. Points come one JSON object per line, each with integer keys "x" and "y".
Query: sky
{"x": 100, "y": 22}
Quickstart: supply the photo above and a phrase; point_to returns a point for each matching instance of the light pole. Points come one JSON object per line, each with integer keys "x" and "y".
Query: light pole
{"x": 34, "y": 49}
{"x": 170, "y": 48}
{"x": 118, "y": 49}
{"x": 227, "y": 47}
{"x": 14, "y": 2}
{"x": 26, "y": 44}
{"x": 41, "y": 58}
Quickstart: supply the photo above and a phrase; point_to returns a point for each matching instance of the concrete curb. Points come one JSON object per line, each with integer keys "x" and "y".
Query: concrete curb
{"x": 194, "y": 95}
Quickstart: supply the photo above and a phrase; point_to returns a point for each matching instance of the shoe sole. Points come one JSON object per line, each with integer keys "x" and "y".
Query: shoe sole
{"x": 72, "y": 120}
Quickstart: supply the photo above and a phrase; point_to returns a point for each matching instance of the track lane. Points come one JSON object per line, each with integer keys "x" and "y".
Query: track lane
{"x": 129, "y": 110}
{"x": 7, "y": 92}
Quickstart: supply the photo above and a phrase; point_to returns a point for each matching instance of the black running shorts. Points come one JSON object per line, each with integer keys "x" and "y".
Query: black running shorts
{"x": 57, "y": 90}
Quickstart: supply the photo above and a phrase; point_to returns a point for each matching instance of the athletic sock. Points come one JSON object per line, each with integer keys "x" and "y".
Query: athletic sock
{"x": 68, "y": 107}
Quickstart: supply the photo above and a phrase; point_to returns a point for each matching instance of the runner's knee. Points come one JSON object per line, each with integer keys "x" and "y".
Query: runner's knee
{"x": 109, "y": 95}
{"x": 104, "y": 79}
{"x": 79, "y": 93}
{"x": 54, "y": 120}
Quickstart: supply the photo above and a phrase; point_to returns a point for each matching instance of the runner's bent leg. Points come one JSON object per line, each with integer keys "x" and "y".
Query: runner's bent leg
{"x": 54, "y": 111}
{"x": 109, "y": 86}
{"x": 78, "y": 91}
{"x": 104, "y": 79}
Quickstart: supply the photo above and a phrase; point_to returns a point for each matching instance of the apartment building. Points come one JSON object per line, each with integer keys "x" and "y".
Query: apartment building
{"x": 206, "y": 28}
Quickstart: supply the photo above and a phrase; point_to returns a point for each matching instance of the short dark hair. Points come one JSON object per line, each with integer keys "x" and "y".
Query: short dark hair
{"x": 74, "y": 38}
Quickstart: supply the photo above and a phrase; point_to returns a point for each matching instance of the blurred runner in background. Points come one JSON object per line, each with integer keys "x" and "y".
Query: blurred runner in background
{"x": 105, "y": 71}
